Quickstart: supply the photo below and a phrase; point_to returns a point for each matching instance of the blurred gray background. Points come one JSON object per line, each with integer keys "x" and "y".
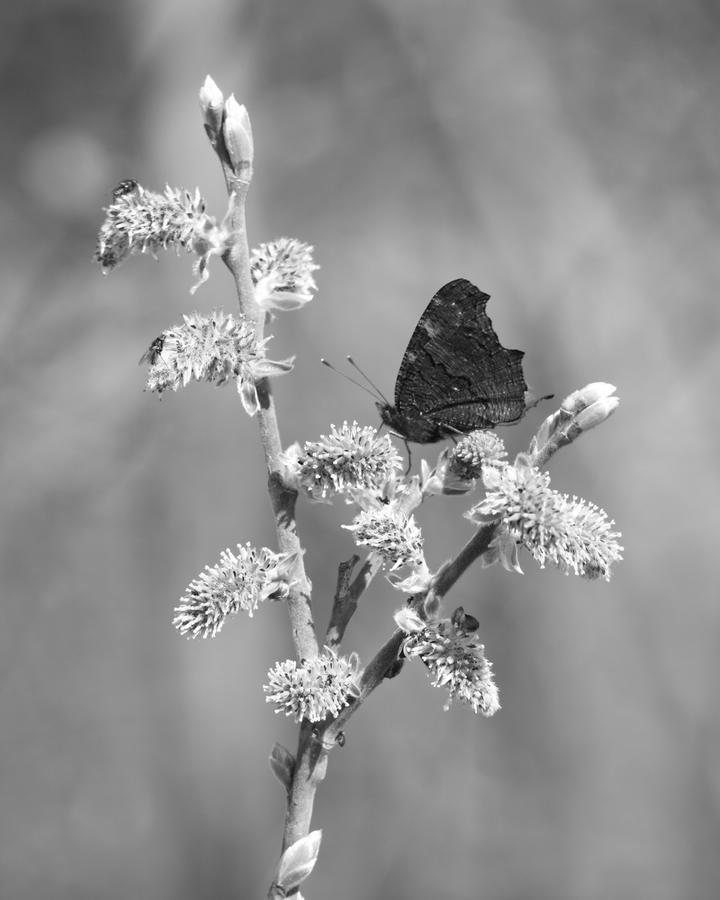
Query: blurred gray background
{"x": 563, "y": 155}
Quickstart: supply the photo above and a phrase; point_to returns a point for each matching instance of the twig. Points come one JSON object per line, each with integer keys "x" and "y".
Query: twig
{"x": 237, "y": 259}
{"x": 344, "y": 605}
{"x": 348, "y": 594}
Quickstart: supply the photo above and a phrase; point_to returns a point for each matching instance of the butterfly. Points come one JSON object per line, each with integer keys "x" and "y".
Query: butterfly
{"x": 455, "y": 376}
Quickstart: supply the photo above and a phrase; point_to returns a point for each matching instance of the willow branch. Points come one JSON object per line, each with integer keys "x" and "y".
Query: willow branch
{"x": 282, "y": 498}
{"x": 311, "y": 760}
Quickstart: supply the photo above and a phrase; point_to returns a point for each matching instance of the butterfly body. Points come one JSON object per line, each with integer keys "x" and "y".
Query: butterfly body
{"x": 455, "y": 376}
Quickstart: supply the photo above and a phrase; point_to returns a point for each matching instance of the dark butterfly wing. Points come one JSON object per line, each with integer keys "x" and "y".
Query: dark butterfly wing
{"x": 455, "y": 375}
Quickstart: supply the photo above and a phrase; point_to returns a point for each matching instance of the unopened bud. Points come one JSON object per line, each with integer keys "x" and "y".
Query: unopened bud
{"x": 211, "y": 104}
{"x": 298, "y": 861}
{"x": 237, "y": 132}
{"x": 282, "y": 764}
{"x": 580, "y": 411}
{"x": 586, "y": 396}
{"x": 548, "y": 428}
{"x": 596, "y": 413}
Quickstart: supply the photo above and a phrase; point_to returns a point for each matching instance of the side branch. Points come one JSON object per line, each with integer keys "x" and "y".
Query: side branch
{"x": 378, "y": 667}
{"x": 348, "y": 593}
{"x": 475, "y": 547}
{"x": 344, "y": 605}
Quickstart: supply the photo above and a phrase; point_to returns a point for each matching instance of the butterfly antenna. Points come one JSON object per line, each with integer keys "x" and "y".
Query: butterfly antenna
{"x": 532, "y": 399}
{"x": 359, "y": 384}
{"x": 371, "y": 383}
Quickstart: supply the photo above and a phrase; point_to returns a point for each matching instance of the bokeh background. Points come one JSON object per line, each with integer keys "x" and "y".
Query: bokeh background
{"x": 564, "y": 156}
